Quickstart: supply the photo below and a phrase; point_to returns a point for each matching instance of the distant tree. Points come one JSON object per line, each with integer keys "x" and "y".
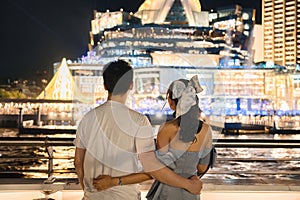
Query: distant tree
{"x": 3, "y": 94}
{"x": 14, "y": 94}
{"x": 17, "y": 95}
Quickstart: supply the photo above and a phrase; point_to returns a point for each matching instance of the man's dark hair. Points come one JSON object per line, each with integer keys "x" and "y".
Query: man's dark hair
{"x": 117, "y": 76}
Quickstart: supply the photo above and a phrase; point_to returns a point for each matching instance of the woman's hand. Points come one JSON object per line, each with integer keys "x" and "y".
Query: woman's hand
{"x": 195, "y": 185}
{"x": 104, "y": 182}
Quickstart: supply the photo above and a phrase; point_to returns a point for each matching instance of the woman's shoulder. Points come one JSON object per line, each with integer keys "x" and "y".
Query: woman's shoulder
{"x": 205, "y": 131}
{"x": 205, "y": 124}
{"x": 168, "y": 128}
{"x": 169, "y": 125}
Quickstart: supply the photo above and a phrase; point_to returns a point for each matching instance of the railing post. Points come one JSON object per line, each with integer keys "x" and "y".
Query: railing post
{"x": 49, "y": 150}
{"x": 38, "y": 116}
{"x": 20, "y": 118}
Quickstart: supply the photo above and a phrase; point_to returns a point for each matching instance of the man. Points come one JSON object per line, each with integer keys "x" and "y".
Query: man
{"x": 113, "y": 140}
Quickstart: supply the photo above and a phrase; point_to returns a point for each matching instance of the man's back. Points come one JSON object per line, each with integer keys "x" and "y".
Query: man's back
{"x": 112, "y": 135}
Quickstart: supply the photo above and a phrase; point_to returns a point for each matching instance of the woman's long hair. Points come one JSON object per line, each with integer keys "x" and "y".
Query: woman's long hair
{"x": 188, "y": 122}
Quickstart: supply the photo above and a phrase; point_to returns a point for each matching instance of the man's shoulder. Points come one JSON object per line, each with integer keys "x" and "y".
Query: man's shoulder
{"x": 134, "y": 112}
{"x": 138, "y": 117}
{"x": 91, "y": 114}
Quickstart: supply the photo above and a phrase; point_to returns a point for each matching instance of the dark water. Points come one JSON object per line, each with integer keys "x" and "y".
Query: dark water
{"x": 232, "y": 163}
{"x": 30, "y": 159}
{"x": 259, "y": 163}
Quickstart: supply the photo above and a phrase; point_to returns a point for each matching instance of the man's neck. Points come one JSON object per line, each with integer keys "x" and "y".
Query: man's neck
{"x": 118, "y": 98}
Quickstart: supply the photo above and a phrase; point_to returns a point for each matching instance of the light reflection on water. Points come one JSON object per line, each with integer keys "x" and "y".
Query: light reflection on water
{"x": 225, "y": 168}
{"x": 284, "y": 160}
{"x": 253, "y": 169}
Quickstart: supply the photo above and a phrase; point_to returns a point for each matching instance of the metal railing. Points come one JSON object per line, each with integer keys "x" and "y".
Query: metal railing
{"x": 49, "y": 145}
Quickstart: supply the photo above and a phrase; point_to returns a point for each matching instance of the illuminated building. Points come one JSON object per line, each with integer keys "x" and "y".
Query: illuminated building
{"x": 257, "y": 43}
{"x": 233, "y": 18}
{"x": 165, "y": 41}
{"x": 176, "y": 12}
{"x": 281, "y": 23}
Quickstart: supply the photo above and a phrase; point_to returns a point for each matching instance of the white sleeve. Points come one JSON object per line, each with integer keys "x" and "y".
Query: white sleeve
{"x": 78, "y": 142}
{"x": 144, "y": 139}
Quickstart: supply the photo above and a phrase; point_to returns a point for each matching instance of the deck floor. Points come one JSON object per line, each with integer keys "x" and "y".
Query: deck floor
{"x": 213, "y": 189}
{"x": 206, "y": 195}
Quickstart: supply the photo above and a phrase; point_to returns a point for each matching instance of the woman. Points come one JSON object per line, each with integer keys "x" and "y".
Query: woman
{"x": 183, "y": 144}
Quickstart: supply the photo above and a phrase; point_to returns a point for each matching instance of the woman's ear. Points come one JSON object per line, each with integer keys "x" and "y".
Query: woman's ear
{"x": 172, "y": 104}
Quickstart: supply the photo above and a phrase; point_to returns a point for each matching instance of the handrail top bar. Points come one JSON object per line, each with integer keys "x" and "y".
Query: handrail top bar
{"x": 221, "y": 140}
{"x": 256, "y": 140}
{"x": 43, "y": 139}
{"x": 257, "y": 145}
{"x": 218, "y": 144}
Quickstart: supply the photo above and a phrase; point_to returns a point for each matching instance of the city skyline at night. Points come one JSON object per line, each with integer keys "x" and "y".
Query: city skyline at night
{"x": 162, "y": 46}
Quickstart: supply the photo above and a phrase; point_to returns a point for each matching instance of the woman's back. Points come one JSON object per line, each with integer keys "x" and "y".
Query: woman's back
{"x": 168, "y": 137}
{"x": 185, "y": 164}
{"x": 182, "y": 157}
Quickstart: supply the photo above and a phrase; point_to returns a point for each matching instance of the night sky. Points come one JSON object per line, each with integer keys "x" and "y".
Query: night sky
{"x": 37, "y": 33}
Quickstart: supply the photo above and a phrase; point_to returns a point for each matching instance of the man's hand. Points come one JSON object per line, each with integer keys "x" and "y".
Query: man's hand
{"x": 195, "y": 185}
{"x": 104, "y": 182}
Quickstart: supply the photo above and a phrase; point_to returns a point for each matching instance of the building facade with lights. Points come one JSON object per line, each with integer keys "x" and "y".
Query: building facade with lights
{"x": 281, "y": 22}
{"x": 165, "y": 41}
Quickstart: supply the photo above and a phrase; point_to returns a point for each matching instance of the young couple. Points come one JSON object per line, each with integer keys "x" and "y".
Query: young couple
{"x": 115, "y": 147}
